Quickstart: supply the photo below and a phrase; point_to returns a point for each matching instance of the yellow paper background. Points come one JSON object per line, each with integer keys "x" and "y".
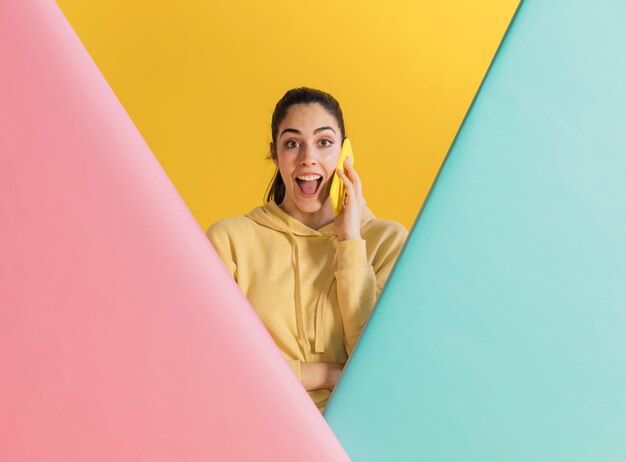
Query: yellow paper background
{"x": 200, "y": 80}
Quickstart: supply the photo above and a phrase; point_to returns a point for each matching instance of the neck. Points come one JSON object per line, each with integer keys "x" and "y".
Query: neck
{"x": 314, "y": 220}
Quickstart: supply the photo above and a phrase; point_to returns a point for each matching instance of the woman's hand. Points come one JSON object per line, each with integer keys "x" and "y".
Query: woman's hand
{"x": 348, "y": 222}
{"x": 315, "y": 376}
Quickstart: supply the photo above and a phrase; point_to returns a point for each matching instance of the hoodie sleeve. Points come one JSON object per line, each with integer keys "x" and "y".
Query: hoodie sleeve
{"x": 359, "y": 283}
{"x": 220, "y": 240}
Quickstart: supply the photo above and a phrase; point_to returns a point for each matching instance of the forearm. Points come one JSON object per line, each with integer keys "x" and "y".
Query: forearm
{"x": 316, "y": 376}
{"x": 356, "y": 289}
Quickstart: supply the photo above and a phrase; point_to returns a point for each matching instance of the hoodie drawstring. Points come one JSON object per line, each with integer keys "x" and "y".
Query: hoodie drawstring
{"x": 320, "y": 337}
{"x": 302, "y": 337}
{"x": 320, "y": 309}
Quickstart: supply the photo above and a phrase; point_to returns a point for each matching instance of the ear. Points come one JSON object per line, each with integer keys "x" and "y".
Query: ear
{"x": 273, "y": 153}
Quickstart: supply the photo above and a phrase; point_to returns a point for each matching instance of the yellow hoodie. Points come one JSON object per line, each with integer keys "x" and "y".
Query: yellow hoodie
{"x": 313, "y": 294}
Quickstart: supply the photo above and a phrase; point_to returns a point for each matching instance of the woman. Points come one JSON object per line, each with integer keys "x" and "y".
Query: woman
{"x": 313, "y": 278}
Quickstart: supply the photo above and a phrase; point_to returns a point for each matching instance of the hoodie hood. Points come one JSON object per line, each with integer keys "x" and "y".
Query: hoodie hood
{"x": 272, "y": 216}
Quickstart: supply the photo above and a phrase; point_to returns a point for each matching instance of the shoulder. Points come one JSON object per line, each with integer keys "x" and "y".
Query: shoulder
{"x": 384, "y": 230}
{"x": 384, "y": 241}
{"x": 229, "y": 225}
{"x": 230, "y": 230}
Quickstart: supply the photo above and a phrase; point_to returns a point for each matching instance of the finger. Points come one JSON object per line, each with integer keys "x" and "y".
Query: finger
{"x": 349, "y": 168}
{"x": 347, "y": 183}
{"x": 354, "y": 177}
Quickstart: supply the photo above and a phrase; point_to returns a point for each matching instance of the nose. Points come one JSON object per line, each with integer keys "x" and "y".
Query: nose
{"x": 308, "y": 155}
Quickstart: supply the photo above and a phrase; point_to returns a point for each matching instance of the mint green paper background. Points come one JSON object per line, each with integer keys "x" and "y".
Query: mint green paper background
{"x": 501, "y": 335}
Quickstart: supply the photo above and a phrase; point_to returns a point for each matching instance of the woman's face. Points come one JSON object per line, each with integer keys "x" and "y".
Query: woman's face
{"x": 307, "y": 150}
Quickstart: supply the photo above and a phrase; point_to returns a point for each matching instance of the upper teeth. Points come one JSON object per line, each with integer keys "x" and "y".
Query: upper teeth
{"x": 309, "y": 177}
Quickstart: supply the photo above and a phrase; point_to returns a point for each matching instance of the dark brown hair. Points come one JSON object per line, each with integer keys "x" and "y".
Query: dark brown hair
{"x": 302, "y": 95}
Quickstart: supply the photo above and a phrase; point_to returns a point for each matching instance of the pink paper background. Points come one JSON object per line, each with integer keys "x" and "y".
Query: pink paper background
{"x": 121, "y": 335}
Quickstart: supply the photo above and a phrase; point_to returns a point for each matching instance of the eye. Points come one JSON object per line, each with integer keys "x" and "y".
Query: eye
{"x": 325, "y": 142}
{"x": 291, "y": 144}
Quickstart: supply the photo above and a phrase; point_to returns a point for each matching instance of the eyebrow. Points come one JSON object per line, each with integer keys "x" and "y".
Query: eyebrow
{"x": 298, "y": 132}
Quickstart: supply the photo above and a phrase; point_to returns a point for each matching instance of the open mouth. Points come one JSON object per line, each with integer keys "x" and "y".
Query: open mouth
{"x": 309, "y": 184}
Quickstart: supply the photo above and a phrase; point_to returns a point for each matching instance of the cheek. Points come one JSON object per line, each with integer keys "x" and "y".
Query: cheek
{"x": 284, "y": 167}
{"x": 331, "y": 164}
